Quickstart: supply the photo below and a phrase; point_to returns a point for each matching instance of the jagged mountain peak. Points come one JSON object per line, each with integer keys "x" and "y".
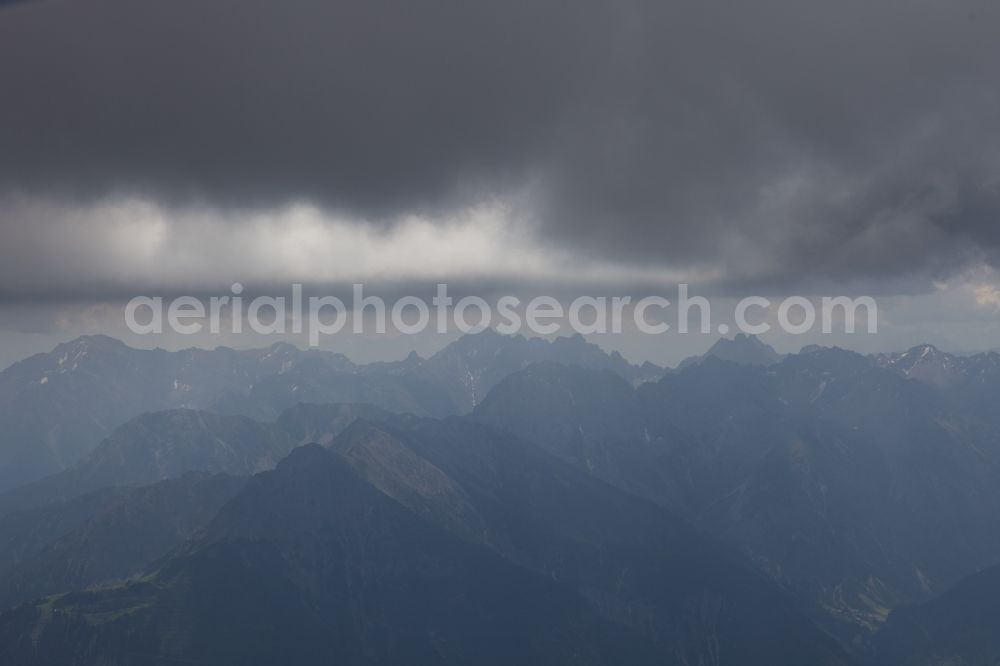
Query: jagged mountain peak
{"x": 925, "y": 363}
{"x": 72, "y": 353}
{"x": 742, "y": 348}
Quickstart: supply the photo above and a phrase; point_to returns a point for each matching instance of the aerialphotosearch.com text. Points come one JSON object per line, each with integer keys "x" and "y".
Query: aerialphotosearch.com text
{"x": 319, "y": 316}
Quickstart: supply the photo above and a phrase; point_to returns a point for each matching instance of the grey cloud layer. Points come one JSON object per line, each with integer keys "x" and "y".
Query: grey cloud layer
{"x": 783, "y": 140}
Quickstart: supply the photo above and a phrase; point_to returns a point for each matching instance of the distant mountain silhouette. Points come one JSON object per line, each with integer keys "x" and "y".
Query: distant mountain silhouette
{"x": 56, "y": 407}
{"x": 743, "y": 348}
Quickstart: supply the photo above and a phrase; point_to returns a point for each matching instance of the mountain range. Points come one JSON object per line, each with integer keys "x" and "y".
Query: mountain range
{"x": 567, "y": 507}
{"x": 432, "y": 540}
{"x": 56, "y": 407}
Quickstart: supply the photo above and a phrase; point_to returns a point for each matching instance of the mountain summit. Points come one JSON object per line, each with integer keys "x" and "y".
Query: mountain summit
{"x": 743, "y": 349}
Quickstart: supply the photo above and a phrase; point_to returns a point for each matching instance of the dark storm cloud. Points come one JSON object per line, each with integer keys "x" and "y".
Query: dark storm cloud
{"x": 372, "y": 105}
{"x": 781, "y": 139}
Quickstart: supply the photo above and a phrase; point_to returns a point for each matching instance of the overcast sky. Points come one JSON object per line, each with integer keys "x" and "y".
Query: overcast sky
{"x": 775, "y": 147}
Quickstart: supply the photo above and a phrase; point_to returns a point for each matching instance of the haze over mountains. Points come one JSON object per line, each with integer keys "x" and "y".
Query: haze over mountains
{"x": 55, "y": 407}
{"x": 854, "y": 486}
{"x": 364, "y": 175}
{"x": 507, "y": 500}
